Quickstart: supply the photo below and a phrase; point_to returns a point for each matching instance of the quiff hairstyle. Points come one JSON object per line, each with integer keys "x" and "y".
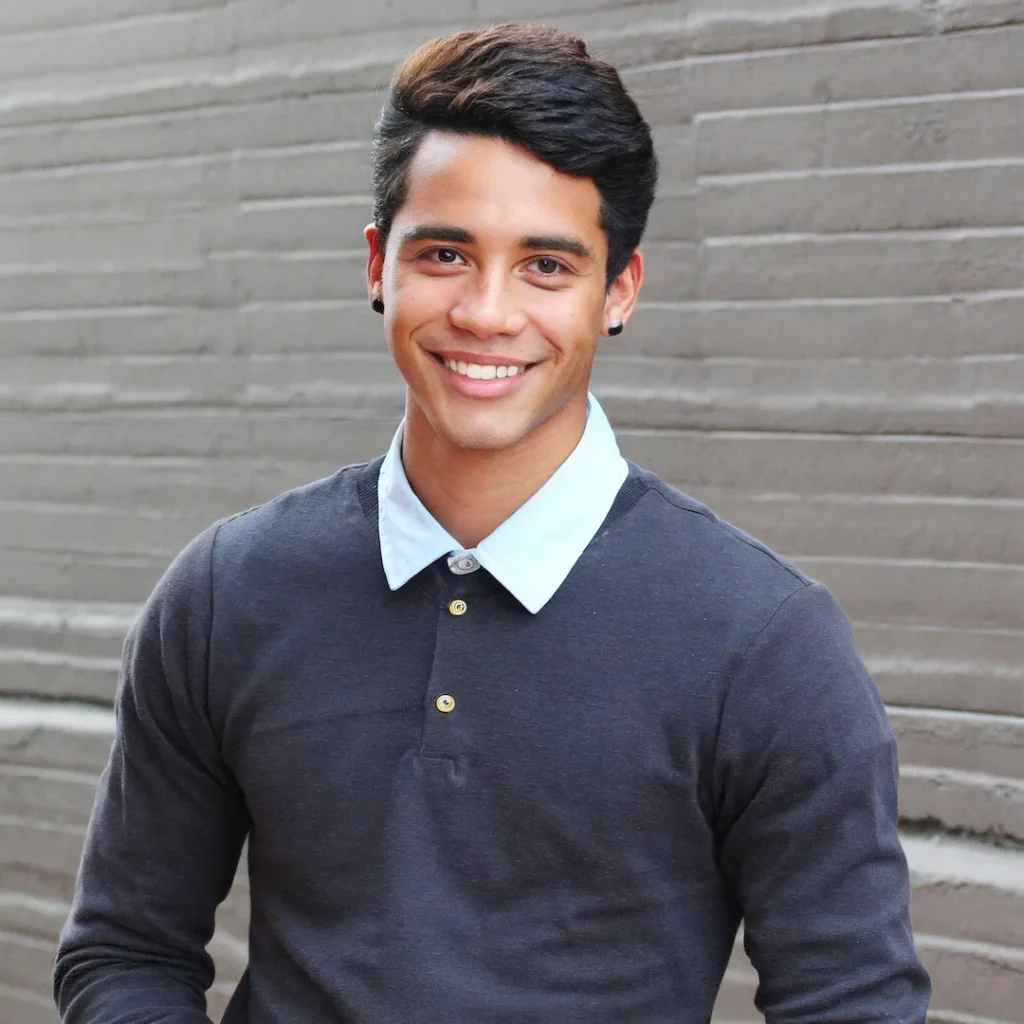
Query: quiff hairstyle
{"x": 532, "y": 86}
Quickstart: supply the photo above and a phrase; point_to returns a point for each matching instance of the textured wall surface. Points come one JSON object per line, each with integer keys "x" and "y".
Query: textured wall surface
{"x": 831, "y": 353}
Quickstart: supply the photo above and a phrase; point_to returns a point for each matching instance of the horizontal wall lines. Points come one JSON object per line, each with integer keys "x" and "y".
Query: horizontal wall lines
{"x": 102, "y": 269}
{"x": 137, "y": 463}
{"x": 70, "y": 171}
{"x": 953, "y": 630}
{"x": 805, "y": 174}
{"x": 999, "y": 568}
{"x": 24, "y": 19}
{"x": 15, "y": 994}
{"x": 856, "y": 45}
{"x": 286, "y": 255}
{"x": 703, "y": 29}
{"x": 151, "y": 310}
{"x": 170, "y": 102}
{"x": 830, "y": 302}
{"x": 14, "y": 820}
{"x": 1005, "y": 725}
{"x": 96, "y": 618}
{"x": 985, "y": 951}
{"x": 232, "y": 71}
{"x": 937, "y": 668}
{"x": 865, "y": 104}
{"x": 967, "y": 779}
{"x": 828, "y": 238}
{"x": 159, "y": 96}
{"x": 304, "y": 202}
{"x": 72, "y": 509}
{"x": 822, "y": 435}
{"x": 859, "y": 498}
{"x": 696, "y": 360}
{"x": 80, "y": 31}
{"x": 716, "y": 35}
{"x": 226, "y": 156}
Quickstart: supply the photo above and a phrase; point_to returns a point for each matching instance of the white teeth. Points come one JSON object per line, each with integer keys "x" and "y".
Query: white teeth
{"x": 482, "y": 371}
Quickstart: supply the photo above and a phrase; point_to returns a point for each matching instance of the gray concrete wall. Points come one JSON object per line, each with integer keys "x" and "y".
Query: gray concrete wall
{"x": 831, "y": 353}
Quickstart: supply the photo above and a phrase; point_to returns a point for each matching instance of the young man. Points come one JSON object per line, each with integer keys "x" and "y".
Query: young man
{"x": 516, "y": 732}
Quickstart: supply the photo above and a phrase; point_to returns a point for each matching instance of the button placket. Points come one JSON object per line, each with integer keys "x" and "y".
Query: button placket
{"x": 442, "y": 728}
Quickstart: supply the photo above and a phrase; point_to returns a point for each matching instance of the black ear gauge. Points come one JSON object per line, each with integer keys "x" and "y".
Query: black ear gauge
{"x": 615, "y": 328}
{"x": 377, "y": 304}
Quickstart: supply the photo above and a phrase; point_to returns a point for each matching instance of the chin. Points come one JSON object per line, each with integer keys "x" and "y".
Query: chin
{"x": 483, "y": 440}
{"x": 476, "y": 434}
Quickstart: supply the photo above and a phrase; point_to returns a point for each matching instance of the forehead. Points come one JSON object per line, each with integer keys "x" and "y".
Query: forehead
{"x": 489, "y": 185}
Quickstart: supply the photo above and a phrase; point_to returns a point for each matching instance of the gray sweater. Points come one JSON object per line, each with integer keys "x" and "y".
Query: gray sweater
{"x": 462, "y": 813}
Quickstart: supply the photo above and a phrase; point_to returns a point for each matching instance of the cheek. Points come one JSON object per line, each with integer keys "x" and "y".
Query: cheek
{"x": 416, "y": 301}
{"x": 571, "y": 326}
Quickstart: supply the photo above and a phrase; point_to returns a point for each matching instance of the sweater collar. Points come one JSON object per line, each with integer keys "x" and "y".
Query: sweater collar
{"x": 534, "y": 550}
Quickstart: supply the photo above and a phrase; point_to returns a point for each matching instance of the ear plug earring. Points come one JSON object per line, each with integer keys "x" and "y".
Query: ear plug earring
{"x": 615, "y": 328}
{"x": 377, "y": 304}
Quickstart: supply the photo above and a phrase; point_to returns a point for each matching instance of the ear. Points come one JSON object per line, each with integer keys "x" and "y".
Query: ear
{"x": 374, "y": 261}
{"x": 624, "y": 292}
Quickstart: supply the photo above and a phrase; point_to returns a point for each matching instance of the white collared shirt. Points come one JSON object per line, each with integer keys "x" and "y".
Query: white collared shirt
{"x": 532, "y": 552}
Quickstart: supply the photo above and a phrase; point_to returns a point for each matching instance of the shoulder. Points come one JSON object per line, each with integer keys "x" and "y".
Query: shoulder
{"x": 789, "y": 648}
{"x": 332, "y": 511}
{"x": 696, "y": 545}
{"x": 313, "y": 528}
{"x": 724, "y": 538}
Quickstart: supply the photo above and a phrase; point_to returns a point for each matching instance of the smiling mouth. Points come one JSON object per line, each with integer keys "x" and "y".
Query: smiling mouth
{"x": 483, "y": 371}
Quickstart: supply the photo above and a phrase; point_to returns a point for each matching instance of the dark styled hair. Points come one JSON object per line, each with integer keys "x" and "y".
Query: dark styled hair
{"x": 533, "y": 86}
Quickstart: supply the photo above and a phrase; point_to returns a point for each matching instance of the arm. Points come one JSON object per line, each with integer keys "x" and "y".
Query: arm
{"x": 806, "y": 779}
{"x": 166, "y": 830}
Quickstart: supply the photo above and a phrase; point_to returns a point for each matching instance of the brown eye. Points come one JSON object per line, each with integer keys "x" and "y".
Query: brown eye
{"x": 546, "y": 265}
{"x": 447, "y": 255}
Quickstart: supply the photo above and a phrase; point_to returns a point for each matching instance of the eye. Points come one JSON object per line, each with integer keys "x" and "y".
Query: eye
{"x": 548, "y": 266}
{"x": 440, "y": 256}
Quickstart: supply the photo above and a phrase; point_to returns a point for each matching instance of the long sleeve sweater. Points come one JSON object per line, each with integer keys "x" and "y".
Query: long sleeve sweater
{"x": 460, "y": 812}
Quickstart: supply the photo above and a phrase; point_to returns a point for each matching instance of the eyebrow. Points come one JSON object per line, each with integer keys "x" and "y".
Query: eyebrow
{"x": 447, "y": 233}
{"x": 438, "y": 233}
{"x": 557, "y": 243}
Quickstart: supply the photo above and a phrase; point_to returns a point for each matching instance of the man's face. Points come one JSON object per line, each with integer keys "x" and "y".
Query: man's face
{"x": 494, "y": 290}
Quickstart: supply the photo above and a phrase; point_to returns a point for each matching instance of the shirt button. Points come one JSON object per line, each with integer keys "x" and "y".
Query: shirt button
{"x": 463, "y": 565}
{"x": 458, "y": 607}
{"x": 445, "y": 703}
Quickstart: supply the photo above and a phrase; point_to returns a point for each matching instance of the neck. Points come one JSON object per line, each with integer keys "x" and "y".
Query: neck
{"x": 472, "y": 492}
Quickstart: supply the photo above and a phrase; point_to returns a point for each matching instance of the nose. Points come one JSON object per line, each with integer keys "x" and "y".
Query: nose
{"x": 487, "y": 307}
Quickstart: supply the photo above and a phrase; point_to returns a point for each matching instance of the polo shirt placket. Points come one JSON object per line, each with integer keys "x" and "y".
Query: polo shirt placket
{"x": 462, "y": 597}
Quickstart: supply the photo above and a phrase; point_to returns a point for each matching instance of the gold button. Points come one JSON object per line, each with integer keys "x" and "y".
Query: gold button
{"x": 445, "y": 703}
{"x": 458, "y": 607}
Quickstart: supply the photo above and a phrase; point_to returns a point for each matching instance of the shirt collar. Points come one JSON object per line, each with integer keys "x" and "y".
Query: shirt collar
{"x": 532, "y": 552}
